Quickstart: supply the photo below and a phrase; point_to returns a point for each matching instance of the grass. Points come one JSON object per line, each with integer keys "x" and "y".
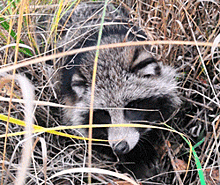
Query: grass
{"x": 183, "y": 34}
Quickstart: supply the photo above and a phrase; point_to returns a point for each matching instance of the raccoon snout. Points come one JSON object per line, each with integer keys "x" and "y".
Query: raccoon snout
{"x": 121, "y": 147}
{"x": 123, "y": 139}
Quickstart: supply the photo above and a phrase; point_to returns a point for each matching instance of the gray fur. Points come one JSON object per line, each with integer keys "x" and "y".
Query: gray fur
{"x": 85, "y": 20}
{"x": 116, "y": 86}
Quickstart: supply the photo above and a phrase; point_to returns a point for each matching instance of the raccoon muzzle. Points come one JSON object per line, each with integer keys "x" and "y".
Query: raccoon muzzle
{"x": 121, "y": 147}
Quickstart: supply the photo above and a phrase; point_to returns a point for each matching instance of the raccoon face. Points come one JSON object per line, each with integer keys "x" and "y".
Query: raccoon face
{"x": 131, "y": 87}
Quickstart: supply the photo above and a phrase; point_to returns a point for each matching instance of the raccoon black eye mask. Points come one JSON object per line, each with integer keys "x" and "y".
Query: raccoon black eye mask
{"x": 128, "y": 81}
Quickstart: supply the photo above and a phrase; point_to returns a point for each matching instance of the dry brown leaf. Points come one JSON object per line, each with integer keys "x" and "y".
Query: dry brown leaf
{"x": 212, "y": 176}
{"x": 180, "y": 164}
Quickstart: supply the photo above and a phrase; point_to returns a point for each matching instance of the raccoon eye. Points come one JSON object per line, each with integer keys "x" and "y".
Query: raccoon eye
{"x": 101, "y": 117}
{"x": 157, "y": 109}
{"x": 132, "y": 104}
{"x": 133, "y": 114}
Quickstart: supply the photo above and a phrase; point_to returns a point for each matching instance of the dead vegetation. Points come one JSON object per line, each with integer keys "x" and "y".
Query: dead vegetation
{"x": 198, "y": 66}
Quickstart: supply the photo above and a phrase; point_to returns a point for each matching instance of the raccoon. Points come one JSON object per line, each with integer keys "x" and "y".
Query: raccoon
{"x": 131, "y": 85}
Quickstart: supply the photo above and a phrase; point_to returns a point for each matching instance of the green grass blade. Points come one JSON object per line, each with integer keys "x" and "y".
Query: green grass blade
{"x": 198, "y": 164}
{"x": 5, "y": 25}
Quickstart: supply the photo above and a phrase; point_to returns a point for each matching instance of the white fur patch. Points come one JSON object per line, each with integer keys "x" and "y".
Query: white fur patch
{"x": 76, "y": 77}
{"x": 148, "y": 70}
{"x": 79, "y": 90}
{"x": 144, "y": 55}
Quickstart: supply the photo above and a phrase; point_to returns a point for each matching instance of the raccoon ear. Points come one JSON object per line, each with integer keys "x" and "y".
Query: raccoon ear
{"x": 78, "y": 84}
{"x": 145, "y": 64}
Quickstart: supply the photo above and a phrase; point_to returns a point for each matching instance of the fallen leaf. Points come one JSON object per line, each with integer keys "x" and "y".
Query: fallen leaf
{"x": 180, "y": 164}
{"x": 212, "y": 176}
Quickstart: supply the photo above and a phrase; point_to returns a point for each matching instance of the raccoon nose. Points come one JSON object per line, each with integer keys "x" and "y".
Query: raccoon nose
{"x": 121, "y": 147}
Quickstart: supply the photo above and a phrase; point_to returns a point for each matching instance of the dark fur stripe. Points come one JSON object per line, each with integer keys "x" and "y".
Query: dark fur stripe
{"x": 143, "y": 64}
{"x": 78, "y": 83}
{"x": 136, "y": 54}
{"x": 157, "y": 70}
{"x": 160, "y": 109}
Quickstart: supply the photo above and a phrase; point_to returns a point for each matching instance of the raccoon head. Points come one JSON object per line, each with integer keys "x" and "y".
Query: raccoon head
{"x": 131, "y": 87}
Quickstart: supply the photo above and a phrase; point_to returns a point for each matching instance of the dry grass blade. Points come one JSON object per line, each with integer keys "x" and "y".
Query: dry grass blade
{"x": 28, "y": 94}
{"x": 44, "y": 156}
{"x": 93, "y": 92}
{"x": 81, "y": 50}
{"x": 95, "y": 170}
{"x": 215, "y": 45}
